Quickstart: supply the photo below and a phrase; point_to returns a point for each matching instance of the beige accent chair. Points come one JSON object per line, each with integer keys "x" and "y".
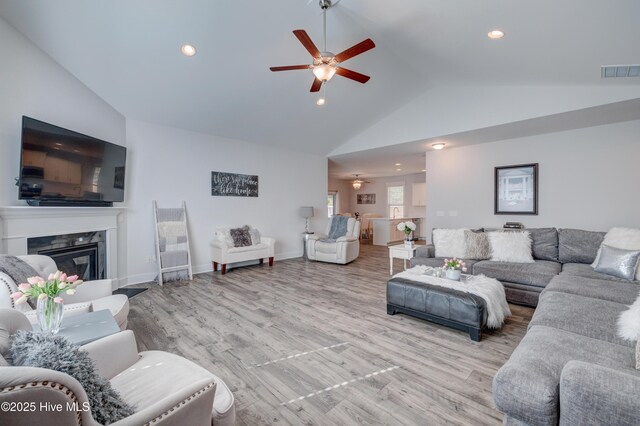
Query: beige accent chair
{"x": 344, "y": 250}
{"x": 166, "y": 389}
{"x": 90, "y": 296}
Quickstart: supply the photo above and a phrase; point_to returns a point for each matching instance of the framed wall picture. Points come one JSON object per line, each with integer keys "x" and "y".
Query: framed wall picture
{"x": 366, "y": 198}
{"x": 233, "y": 185}
{"x": 516, "y": 189}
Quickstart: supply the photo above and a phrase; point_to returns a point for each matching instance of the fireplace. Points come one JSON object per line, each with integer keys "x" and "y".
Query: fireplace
{"x": 81, "y": 254}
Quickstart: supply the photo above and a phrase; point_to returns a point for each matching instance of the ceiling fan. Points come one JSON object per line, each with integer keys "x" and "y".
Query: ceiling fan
{"x": 357, "y": 183}
{"x": 325, "y": 64}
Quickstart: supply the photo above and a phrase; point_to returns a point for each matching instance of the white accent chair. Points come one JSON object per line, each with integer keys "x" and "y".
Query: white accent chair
{"x": 90, "y": 296}
{"x": 166, "y": 389}
{"x": 223, "y": 253}
{"x": 344, "y": 250}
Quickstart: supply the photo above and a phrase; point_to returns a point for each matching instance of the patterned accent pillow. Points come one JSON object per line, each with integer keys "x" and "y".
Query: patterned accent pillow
{"x": 241, "y": 236}
{"x": 477, "y": 245}
{"x": 617, "y": 262}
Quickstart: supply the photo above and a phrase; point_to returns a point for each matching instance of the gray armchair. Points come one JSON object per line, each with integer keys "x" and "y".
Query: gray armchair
{"x": 166, "y": 389}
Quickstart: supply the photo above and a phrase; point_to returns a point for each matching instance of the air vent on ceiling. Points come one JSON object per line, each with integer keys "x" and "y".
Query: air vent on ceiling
{"x": 613, "y": 71}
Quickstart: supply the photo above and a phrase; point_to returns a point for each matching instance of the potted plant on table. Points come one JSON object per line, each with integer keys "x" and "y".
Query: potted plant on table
{"x": 407, "y": 228}
{"x": 50, "y": 306}
{"x": 454, "y": 268}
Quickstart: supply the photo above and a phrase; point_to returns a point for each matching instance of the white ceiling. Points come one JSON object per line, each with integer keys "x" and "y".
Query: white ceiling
{"x": 382, "y": 162}
{"x": 128, "y": 53}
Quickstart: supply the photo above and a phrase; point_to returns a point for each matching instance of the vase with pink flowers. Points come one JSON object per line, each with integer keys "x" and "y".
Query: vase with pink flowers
{"x": 454, "y": 268}
{"x": 49, "y": 305}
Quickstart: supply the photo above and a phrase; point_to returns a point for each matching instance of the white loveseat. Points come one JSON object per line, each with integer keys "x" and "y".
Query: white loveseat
{"x": 344, "y": 250}
{"x": 90, "y": 296}
{"x": 224, "y": 253}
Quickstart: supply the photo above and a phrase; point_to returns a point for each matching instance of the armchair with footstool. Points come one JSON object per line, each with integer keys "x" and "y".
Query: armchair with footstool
{"x": 341, "y": 249}
{"x": 91, "y": 296}
{"x": 163, "y": 388}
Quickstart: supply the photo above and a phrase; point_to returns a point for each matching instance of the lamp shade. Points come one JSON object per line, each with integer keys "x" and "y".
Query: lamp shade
{"x": 306, "y": 212}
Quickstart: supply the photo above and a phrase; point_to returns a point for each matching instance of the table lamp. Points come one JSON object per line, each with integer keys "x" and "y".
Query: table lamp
{"x": 306, "y": 213}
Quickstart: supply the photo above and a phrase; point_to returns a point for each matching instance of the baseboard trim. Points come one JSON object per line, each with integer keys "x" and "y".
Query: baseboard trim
{"x": 197, "y": 269}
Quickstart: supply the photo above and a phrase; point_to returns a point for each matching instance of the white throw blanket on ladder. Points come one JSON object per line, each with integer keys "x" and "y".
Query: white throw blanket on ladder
{"x": 491, "y": 291}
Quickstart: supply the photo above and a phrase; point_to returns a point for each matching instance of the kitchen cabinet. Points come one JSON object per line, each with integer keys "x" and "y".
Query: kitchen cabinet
{"x": 419, "y": 194}
{"x": 385, "y": 230}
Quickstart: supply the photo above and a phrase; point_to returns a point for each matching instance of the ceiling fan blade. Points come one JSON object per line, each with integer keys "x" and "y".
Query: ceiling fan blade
{"x": 307, "y": 43}
{"x": 317, "y": 84}
{"x": 360, "y": 78}
{"x": 359, "y": 48}
{"x": 290, "y": 67}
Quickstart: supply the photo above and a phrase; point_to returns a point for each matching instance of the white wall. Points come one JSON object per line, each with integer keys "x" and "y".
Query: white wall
{"x": 378, "y": 186}
{"x": 171, "y": 165}
{"x": 33, "y": 84}
{"x": 588, "y": 179}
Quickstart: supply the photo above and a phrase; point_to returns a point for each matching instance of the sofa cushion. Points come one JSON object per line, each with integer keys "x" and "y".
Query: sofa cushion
{"x": 578, "y": 246}
{"x": 477, "y": 245}
{"x": 438, "y": 262}
{"x": 514, "y": 246}
{"x": 449, "y": 242}
{"x": 586, "y": 271}
{"x": 427, "y": 250}
{"x": 260, "y": 246}
{"x": 613, "y": 291}
{"x": 594, "y": 318}
{"x": 544, "y": 243}
{"x": 326, "y": 247}
{"x": 538, "y": 273}
{"x": 527, "y": 387}
{"x": 168, "y": 373}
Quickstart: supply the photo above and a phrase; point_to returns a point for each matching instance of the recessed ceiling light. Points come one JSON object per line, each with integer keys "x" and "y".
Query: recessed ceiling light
{"x": 438, "y": 146}
{"x": 495, "y": 34}
{"x": 188, "y": 50}
{"x": 321, "y": 102}
{"x": 398, "y": 164}
{"x": 58, "y": 144}
{"x": 424, "y": 170}
{"x": 399, "y": 170}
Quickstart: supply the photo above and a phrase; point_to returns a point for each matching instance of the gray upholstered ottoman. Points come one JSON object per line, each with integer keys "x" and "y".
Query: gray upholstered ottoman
{"x": 444, "y": 306}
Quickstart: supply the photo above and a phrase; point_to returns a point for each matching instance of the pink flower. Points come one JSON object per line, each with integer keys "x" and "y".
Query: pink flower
{"x": 17, "y": 295}
{"x": 63, "y": 277}
{"x": 464, "y": 269}
{"x": 24, "y": 287}
{"x": 51, "y": 277}
{"x": 71, "y": 292}
{"x": 72, "y": 278}
{"x": 58, "y": 300}
{"x": 42, "y": 296}
{"x": 42, "y": 283}
{"x": 22, "y": 300}
{"x": 34, "y": 280}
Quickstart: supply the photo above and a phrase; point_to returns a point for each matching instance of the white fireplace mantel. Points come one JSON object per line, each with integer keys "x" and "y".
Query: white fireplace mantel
{"x": 19, "y": 223}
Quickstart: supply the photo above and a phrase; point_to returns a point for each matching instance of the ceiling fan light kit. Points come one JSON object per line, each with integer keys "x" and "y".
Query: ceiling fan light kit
{"x": 325, "y": 63}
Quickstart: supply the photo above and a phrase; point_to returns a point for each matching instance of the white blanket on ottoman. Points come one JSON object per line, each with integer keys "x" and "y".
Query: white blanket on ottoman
{"x": 491, "y": 291}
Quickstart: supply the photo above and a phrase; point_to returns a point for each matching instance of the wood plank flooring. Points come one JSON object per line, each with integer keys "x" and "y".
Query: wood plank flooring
{"x": 340, "y": 348}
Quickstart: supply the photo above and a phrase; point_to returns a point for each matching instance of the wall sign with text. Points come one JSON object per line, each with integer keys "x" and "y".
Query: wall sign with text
{"x": 233, "y": 185}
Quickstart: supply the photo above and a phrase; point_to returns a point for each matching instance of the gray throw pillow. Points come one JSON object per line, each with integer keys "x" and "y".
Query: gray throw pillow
{"x": 241, "y": 236}
{"x": 45, "y": 350}
{"x": 618, "y": 262}
{"x": 255, "y": 236}
{"x": 477, "y": 245}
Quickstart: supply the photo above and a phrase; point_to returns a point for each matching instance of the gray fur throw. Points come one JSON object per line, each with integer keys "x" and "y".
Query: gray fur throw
{"x": 44, "y": 350}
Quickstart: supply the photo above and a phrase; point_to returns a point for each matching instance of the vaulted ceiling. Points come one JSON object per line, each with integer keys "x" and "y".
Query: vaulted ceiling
{"x": 128, "y": 52}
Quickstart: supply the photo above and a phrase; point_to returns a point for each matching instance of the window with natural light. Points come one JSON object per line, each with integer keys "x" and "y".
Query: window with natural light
{"x": 395, "y": 200}
{"x": 332, "y": 199}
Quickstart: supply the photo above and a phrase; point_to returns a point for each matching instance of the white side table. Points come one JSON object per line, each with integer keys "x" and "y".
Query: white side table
{"x": 400, "y": 252}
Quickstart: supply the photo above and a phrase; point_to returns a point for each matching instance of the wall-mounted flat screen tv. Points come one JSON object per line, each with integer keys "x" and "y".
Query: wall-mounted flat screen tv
{"x": 63, "y": 167}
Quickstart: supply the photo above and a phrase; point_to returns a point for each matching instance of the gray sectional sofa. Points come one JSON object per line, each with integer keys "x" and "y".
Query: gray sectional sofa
{"x": 555, "y": 251}
{"x": 571, "y": 368}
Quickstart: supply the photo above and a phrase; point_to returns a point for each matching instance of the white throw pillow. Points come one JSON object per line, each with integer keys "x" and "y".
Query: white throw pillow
{"x": 450, "y": 242}
{"x": 621, "y": 238}
{"x": 223, "y": 234}
{"x": 629, "y": 322}
{"x": 510, "y": 246}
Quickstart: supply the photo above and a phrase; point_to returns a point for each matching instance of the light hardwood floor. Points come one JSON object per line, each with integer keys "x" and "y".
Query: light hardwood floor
{"x": 234, "y": 324}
